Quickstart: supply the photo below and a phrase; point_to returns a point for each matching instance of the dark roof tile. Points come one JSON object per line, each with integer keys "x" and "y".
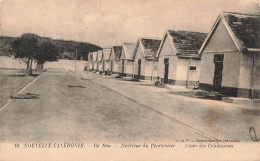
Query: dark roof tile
{"x": 117, "y": 51}
{"x": 245, "y": 27}
{"x": 151, "y": 47}
{"x": 187, "y": 42}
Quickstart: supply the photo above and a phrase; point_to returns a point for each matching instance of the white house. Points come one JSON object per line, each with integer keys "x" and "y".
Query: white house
{"x": 90, "y": 61}
{"x": 99, "y": 60}
{"x": 114, "y": 59}
{"x": 145, "y": 61}
{"x": 230, "y": 56}
{"x": 126, "y": 64}
{"x": 179, "y": 61}
{"x": 94, "y": 60}
{"x": 105, "y": 59}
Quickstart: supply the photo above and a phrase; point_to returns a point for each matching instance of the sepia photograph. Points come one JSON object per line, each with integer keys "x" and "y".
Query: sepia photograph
{"x": 129, "y": 80}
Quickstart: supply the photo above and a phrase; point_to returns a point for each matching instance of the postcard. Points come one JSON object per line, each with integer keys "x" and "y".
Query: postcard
{"x": 129, "y": 80}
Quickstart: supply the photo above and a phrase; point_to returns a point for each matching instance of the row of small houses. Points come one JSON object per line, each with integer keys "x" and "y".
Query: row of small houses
{"x": 226, "y": 60}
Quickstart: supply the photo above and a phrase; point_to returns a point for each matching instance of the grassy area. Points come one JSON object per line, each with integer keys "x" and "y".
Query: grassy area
{"x": 11, "y": 81}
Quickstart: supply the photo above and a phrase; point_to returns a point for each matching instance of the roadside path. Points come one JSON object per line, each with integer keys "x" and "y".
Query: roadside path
{"x": 218, "y": 119}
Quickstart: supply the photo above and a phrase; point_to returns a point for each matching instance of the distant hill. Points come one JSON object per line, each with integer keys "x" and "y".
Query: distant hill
{"x": 6, "y": 46}
{"x": 67, "y": 49}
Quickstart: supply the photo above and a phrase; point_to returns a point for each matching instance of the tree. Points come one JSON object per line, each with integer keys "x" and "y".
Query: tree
{"x": 26, "y": 47}
{"x": 47, "y": 52}
{"x": 81, "y": 51}
{"x": 33, "y": 48}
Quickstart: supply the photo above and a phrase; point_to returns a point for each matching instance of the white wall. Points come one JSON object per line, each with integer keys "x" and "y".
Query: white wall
{"x": 129, "y": 67}
{"x": 183, "y": 73}
{"x": 151, "y": 68}
{"x": 120, "y": 65}
{"x": 95, "y": 65}
{"x": 161, "y": 66}
{"x": 207, "y": 68}
{"x": 166, "y": 48}
{"x": 246, "y": 69}
{"x": 90, "y": 65}
{"x": 220, "y": 40}
{"x": 107, "y": 64}
{"x": 110, "y": 63}
{"x": 231, "y": 68}
{"x": 116, "y": 66}
{"x": 167, "y": 52}
{"x": 139, "y": 55}
{"x": 11, "y": 62}
{"x": 100, "y": 66}
{"x": 66, "y": 64}
{"x": 173, "y": 66}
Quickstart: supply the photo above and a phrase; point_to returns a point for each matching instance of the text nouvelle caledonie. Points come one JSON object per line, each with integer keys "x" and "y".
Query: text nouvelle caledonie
{"x": 225, "y": 143}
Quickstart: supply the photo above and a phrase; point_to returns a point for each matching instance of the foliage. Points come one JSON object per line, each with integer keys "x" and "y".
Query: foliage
{"x": 81, "y": 50}
{"x": 26, "y": 46}
{"x": 29, "y": 46}
{"x": 64, "y": 47}
{"x": 47, "y": 52}
{"x": 6, "y": 46}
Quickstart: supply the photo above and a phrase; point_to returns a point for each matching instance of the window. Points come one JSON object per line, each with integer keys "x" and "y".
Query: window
{"x": 166, "y": 60}
{"x": 218, "y": 58}
{"x": 193, "y": 68}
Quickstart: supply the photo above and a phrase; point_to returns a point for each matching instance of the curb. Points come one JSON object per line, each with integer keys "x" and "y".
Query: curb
{"x": 21, "y": 90}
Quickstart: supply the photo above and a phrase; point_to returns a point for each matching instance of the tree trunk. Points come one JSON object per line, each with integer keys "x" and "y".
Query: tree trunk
{"x": 31, "y": 66}
{"x": 39, "y": 66}
{"x": 28, "y": 61}
{"x": 28, "y": 67}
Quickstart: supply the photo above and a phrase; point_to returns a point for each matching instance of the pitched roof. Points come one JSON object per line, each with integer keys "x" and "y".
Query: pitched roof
{"x": 106, "y": 54}
{"x": 117, "y": 51}
{"x": 149, "y": 47}
{"x": 129, "y": 49}
{"x": 186, "y": 42}
{"x": 243, "y": 29}
{"x": 99, "y": 58}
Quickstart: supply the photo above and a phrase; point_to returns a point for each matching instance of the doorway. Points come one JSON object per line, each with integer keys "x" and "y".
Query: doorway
{"x": 139, "y": 69}
{"x": 123, "y": 67}
{"x": 166, "y": 70}
{"x": 218, "y": 60}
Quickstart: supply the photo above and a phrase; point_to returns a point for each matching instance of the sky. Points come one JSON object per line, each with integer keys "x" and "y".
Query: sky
{"x": 111, "y": 22}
